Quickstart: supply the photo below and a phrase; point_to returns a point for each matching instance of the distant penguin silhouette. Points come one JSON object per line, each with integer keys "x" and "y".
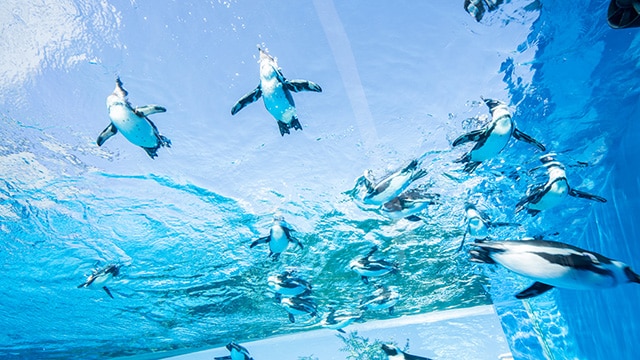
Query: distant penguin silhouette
{"x": 382, "y": 298}
{"x": 409, "y": 204}
{"x": 100, "y": 277}
{"x": 275, "y": 91}
{"x": 238, "y": 352}
{"x": 278, "y": 238}
{"x": 491, "y": 139}
{"x": 133, "y": 124}
{"x": 391, "y": 186}
{"x": 393, "y": 353}
{"x": 553, "y": 264}
{"x": 554, "y": 191}
{"x": 478, "y": 224}
{"x": 299, "y": 305}
{"x": 285, "y": 284}
{"x": 367, "y": 267}
{"x": 338, "y": 320}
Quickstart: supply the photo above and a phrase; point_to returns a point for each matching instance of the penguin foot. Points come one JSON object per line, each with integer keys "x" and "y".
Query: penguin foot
{"x": 284, "y": 128}
{"x": 295, "y": 123}
{"x": 164, "y": 141}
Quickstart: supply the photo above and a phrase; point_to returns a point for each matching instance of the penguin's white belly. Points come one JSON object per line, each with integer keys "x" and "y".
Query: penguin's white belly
{"x": 396, "y": 185}
{"x": 279, "y": 241}
{"x": 101, "y": 280}
{"x": 134, "y": 128}
{"x": 276, "y": 101}
{"x": 496, "y": 141}
{"x": 540, "y": 269}
{"x": 553, "y": 197}
{"x": 371, "y": 272}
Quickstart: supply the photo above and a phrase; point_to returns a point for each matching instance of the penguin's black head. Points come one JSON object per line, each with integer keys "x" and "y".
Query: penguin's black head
{"x": 632, "y": 276}
{"x": 390, "y": 350}
{"x": 491, "y": 103}
{"x": 469, "y": 206}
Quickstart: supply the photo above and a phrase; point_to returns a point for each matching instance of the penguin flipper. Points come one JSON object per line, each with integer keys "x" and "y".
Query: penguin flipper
{"x": 474, "y": 135}
{"x": 302, "y": 85}
{"x": 365, "y": 279}
{"x": 341, "y": 331}
{"x": 584, "y": 195}
{"x": 147, "y": 110}
{"x": 297, "y": 242}
{"x": 106, "y": 289}
{"x": 536, "y": 289}
{"x": 292, "y": 319}
{"x": 246, "y": 100}
{"x": 462, "y": 242}
{"x": 262, "y": 240}
{"x": 108, "y": 132}
{"x": 519, "y": 135}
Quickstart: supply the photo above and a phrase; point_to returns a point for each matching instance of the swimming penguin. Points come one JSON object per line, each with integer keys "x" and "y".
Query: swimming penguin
{"x": 478, "y": 224}
{"x": 393, "y": 353}
{"x": 101, "y": 277}
{"x": 275, "y": 91}
{"x": 338, "y": 320}
{"x": 285, "y": 284}
{"x": 299, "y": 305}
{"x": 382, "y": 298}
{"x": 279, "y": 238}
{"x": 553, "y": 264}
{"x": 378, "y": 193}
{"x": 492, "y": 138}
{"x": 408, "y": 204}
{"x": 134, "y": 124}
{"x": 238, "y": 352}
{"x": 366, "y": 267}
{"x": 554, "y": 191}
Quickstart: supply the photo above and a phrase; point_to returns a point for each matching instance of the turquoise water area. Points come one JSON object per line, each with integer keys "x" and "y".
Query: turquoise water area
{"x": 400, "y": 80}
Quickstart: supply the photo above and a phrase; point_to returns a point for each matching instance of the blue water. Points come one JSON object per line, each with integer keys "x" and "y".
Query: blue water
{"x": 400, "y": 80}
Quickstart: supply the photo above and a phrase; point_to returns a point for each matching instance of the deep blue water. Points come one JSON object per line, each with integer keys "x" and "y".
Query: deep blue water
{"x": 400, "y": 80}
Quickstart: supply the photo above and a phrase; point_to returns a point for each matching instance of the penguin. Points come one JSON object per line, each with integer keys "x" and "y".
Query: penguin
{"x": 553, "y": 264}
{"x": 475, "y": 8}
{"x": 365, "y": 267}
{"x": 275, "y": 91}
{"x": 279, "y": 238}
{"x": 338, "y": 320}
{"x": 393, "y": 353}
{"x": 379, "y": 193}
{"x": 299, "y": 305}
{"x": 133, "y": 123}
{"x": 408, "y": 204}
{"x": 382, "y": 298}
{"x": 478, "y": 224}
{"x": 101, "y": 277}
{"x": 554, "y": 191}
{"x": 492, "y": 138}
{"x": 285, "y": 284}
{"x": 238, "y": 352}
